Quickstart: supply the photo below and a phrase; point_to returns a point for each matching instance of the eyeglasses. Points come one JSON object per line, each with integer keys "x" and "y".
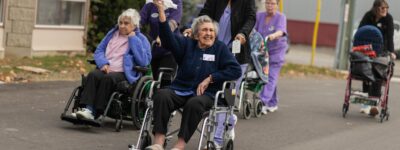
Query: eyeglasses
{"x": 269, "y": 3}
{"x": 383, "y": 7}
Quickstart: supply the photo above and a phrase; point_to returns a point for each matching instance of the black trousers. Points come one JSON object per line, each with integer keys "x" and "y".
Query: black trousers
{"x": 373, "y": 88}
{"x": 99, "y": 87}
{"x": 167, "y": 61}
{"x": 166, "y": 101}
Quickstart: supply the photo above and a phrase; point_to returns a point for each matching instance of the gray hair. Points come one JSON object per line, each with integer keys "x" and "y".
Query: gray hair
{"x": 199, "y": 21}
{"x": 131, "y": 14}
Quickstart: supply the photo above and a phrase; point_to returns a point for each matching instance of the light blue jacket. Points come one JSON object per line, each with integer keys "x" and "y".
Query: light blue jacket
{"x": 138, "y": 54}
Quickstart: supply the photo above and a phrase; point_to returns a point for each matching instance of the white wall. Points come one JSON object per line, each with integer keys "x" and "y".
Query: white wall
{"x": 57, "y": 39}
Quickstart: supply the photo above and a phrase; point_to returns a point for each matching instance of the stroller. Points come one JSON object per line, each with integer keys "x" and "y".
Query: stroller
{"x": 254, "y": 78}
{"x": 368, "y": 63}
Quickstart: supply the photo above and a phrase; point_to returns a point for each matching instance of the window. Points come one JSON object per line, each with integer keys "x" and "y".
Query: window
{"x": 1, "y": 11}
{"x": 61, "y": 12}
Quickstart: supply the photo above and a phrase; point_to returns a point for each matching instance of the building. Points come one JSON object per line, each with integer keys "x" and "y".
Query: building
{"x": 301, "y": 17}
{"x": 42, "y": 27}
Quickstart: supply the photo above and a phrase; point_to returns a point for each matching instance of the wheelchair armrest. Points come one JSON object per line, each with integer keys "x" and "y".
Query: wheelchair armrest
{"x": 166, "y": 70}
{"x": 229, "y": 85}
{"x": 91, "y": 61}
{"x": 140, "y": 69}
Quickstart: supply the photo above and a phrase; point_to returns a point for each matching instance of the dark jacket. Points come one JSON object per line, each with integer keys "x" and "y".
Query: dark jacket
{"x": 243, "y": 18}
{"x": 193, "y": 68}
{"x": 385, "y": 25}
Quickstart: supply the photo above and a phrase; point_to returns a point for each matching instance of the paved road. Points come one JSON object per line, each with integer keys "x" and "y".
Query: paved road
{"x": 309, "y": 117}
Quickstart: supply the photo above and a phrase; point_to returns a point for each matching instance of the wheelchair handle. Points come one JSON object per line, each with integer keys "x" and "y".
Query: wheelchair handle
{"x": 140, "y": 69}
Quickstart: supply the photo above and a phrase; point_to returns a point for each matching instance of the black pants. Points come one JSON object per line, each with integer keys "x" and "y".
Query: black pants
{"x": 373, "y": 88}
{"x": 166, "y": 101}
{"x": 167, "y": 61}
{"x": 99, "y": 87}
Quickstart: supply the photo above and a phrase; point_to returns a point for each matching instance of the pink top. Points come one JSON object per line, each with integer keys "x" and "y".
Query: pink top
{"x": 115, "y": 51}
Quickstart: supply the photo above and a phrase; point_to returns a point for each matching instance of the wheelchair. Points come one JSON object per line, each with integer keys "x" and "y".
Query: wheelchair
{"x": 208, "y": 127}
{"x": 367, "y": 66}
{"x": 124, "y": 103}
{"x": 255, "y": 78}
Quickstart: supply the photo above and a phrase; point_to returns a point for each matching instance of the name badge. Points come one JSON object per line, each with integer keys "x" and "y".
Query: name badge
{"x": 236, "y": 47}
{"x": 208, "y": 57}
{"x": 154, "y": 15}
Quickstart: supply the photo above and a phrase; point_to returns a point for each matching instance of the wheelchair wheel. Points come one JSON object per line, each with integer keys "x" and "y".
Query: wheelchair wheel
{"x": 118, "y": 125}
{"x": 246, "y": 110}
{"x": 146, "y": 140}
{"x": 258, "y": 108}
{"x": 139, "y": 100}
{"x": 229, "y": 145}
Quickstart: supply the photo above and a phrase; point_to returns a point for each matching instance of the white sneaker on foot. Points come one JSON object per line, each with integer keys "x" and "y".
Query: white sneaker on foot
{"x": 85, "y": 114}
{"x": 264, "y": 110}
{"x": 73, "y": 114}
{"x": 365, "y": 109}
{"x": 272, "y": 109}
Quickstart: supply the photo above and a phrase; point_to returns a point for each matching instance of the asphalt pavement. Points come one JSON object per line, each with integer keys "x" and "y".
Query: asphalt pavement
{"x": 309, "y": 117}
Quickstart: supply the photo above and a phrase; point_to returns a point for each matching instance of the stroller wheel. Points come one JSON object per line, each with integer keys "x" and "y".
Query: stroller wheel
{"x": 258, "y": 108}
{"x": 384, "y": 115}
{"x": 345, "y": 108}
{"x": 246, "y": 110}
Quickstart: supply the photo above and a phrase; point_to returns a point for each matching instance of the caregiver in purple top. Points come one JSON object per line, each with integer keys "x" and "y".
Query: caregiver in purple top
{"x": 161, "y": 56}
{"x": 272, "y": 24}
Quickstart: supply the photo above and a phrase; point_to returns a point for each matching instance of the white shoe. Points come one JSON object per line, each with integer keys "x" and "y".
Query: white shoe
{"x": 85, "y": 114}
{"x": 264, "y": 110}
{"x": 272, "y": 109}
{"x": 73, "y": 114}
{"x": 365, "y": 109}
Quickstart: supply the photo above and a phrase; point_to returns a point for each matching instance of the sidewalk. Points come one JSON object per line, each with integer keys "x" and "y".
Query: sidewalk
{"x": 324, "y": 57}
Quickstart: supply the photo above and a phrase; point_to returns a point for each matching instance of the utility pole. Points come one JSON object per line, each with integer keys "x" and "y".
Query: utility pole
{"x": 343, "y": 41}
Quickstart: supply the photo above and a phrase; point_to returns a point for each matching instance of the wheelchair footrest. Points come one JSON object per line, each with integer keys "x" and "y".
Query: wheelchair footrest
{"x": 77, "y": 121}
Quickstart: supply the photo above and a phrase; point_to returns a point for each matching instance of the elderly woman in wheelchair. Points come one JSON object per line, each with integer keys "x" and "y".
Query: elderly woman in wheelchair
{"x": 204, "y": 65}
{"x": 121, "y": 50}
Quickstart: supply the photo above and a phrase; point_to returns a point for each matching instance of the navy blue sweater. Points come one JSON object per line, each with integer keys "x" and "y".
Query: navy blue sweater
{"x": 192, "y": 68}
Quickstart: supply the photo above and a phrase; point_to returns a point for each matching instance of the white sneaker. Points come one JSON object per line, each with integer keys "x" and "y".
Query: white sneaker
{"x": 85, "y": 114}
{"x": 73, "y": 114}
{"x": 264, "y": 110}
{"x": 365, "y": 109}
{"x": 272, "y": 109}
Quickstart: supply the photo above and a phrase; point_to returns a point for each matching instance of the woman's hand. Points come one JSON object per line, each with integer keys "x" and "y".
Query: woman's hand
{"x": 187, "y": 32}
{"x": 132, "y": 34}
{"x": 105, "y": 69}
{"x": 159, "y": 4}
{"x": 203, "y": 86}
{"x": 158, "y": 41}
{"x": 393, "y": 56}
{"x": 241, "y": 38}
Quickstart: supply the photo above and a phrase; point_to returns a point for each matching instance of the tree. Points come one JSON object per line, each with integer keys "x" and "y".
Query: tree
{"x": 104, "y": 15}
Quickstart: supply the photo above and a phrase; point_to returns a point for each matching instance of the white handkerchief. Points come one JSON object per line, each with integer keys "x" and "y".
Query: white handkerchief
{"x": 167, "y": 4}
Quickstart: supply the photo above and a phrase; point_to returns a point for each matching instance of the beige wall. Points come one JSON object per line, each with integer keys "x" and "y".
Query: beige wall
{"x": 58, "y": 39}
{"x": 1, "y": 42}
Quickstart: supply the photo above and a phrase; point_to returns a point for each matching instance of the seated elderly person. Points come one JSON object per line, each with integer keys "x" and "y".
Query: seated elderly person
{"x": 123, "y": 48}
{"x": 204, "y": 64}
